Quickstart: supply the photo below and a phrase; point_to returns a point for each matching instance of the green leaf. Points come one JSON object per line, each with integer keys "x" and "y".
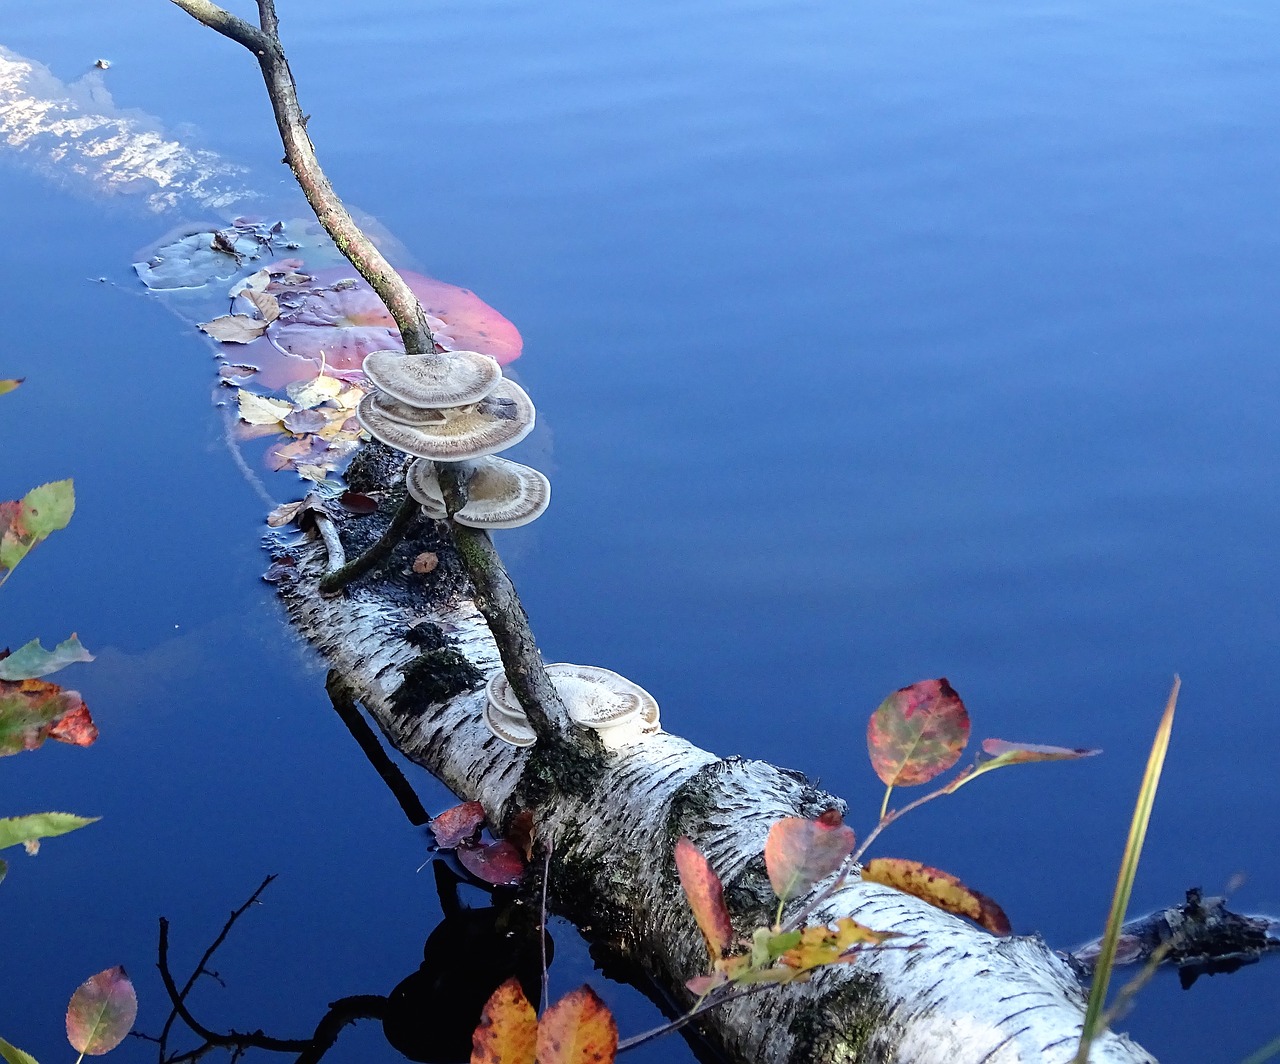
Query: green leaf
{"x": 12, "y": 1054}
{"x": 32, "y": 660}
{"x": 9, "y": 385}
{"x": 26, "y": 523}
{"x": 28, "y": 829}
{"x": 101, "y": 1012}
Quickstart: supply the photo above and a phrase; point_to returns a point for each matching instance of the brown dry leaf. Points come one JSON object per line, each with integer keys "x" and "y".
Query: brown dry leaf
{"x": 425, "y": 562}
{"x": 284, "y": 513}
{"x": 234, "y": 328}
{"x": 315, "y": 473}
{"x": 301, "y": 422}
{"x": 265, "y": 304}
{"x": 255, "y": 282}
{"x": 260, "y": 410}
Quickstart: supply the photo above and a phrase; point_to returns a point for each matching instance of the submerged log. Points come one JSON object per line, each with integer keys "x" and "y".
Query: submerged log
{"x": 415, "y": 649}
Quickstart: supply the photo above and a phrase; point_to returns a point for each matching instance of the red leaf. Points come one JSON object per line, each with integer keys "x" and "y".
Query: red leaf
{"x": 498, "y": 863}
{"x": 938, "y": 888}
{"x": 75, "y": 728}
{"x": 917, "y": 733}
{"x": 578, "y": 1029}
{"x": 800, "y": 852}
{"x": 356, "y": 503}
{"x": 454, "y": 825}
{"x": 508, "y": 1030}
{"x": 101, "y": 1012}
{"x": 703, "y": 889}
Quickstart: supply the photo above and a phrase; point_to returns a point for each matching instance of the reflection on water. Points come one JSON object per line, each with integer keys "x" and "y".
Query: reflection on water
{"x": 75, "y": 133}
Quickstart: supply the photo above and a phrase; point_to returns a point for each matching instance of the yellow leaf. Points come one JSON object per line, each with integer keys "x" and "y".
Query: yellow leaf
{"x": 321, "y": 389}
{"x": 259, "y": 410}
{"x": 508, "y": 1030}
{"x": 938, "y": 888}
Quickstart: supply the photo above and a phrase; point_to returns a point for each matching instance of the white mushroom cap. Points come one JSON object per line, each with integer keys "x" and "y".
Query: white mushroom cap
{"x": 401, "y": 413}
{"x": 501, "y": 419}
{"x": 500, "y": 493}
{"x": 515, "y": 732}
{"x": 454, "y": 378}
{"x": 595, "y": 697}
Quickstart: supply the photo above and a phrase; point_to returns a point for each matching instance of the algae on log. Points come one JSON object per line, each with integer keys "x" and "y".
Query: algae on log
{"x": 413, "y": 651}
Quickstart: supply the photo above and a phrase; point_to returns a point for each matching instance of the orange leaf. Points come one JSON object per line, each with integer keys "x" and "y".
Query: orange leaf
{"x": 577, "y": 1029}
{"x": 508, "y": 1030}
{"x": 821, "y": 945}
{"x": 34, "y": 710}
{"x": 705, "y": 893}
{"x": 917, "y": 733}
{"x": 938, "y": 888}
{"x": 800, "y": 852}
{"x": 456, "y": 824}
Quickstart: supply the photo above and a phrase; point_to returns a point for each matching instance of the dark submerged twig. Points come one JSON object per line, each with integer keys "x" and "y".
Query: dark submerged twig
{"x": 345, "y": 706}
{"x": 201, "y": 968}
{"x": 238, "y": 1040}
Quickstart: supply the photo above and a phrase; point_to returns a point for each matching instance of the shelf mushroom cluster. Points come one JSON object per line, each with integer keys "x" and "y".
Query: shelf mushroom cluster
{"x": 596, "y": 698}
{"x": 456, "y": 407}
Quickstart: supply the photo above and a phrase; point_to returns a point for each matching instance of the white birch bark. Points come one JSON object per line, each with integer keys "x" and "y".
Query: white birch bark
{"x": 964, "y": 997}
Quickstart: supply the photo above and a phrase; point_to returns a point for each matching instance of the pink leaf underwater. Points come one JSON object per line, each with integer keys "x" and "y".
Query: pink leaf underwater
{"x": 333, "y": 318}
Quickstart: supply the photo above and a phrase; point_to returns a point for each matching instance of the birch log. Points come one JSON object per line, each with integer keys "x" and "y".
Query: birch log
{"x": 964, "y": 997}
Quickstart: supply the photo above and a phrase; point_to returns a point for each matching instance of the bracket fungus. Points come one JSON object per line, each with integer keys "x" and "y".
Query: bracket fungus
{"x": 435, "y": 380}
{"x": 500, "y": 420}
{"x": 500, "y": 493}
{"x": 620, "y": 710}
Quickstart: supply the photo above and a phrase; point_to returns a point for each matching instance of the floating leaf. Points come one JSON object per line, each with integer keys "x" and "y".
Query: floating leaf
{"x": 300, "y": 422}
{"x": 799, "y": 852}
{"x": 259, "y": 410}
{"x": 319, "y": 389}
{"x": 101, "y": 1012}
{"x": 705, "y": 894}
{"x": 457, "y": 824}
{"x": 497, "y": 863}
{"x": 577, "y": 1029}
{"x": 234, "y": 328}
{"x": 12, "y": 1054}
{"x": 917, "y": 733}
{"x": 32, "y": 660}
{"x": 15, "y": 830}
{"x": 264, "y": 303}
{"x": 34, "y": 710}
{"x": 28, "y": 522}
{"x": 10, "y": 385}
{"x": 938, "y": 888}
{"x": 508, "y": 1029}
{"x": 193, "y": 260}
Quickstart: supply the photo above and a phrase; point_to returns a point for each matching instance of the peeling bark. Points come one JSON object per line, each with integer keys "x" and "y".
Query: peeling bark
{"x": 965, "y": 996}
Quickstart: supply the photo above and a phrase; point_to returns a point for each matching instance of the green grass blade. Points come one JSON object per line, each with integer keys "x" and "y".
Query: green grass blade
{"x": 1128, "y": 871}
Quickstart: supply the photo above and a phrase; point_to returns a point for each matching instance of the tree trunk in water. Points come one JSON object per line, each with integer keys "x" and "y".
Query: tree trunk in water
{"x": 963, "y": 996}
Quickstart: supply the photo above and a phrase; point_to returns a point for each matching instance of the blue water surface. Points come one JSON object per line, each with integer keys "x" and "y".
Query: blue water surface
{"x": 871, "y": 342}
